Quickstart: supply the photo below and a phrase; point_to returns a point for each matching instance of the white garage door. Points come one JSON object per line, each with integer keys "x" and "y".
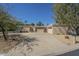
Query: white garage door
{"x": 40, "y": 30}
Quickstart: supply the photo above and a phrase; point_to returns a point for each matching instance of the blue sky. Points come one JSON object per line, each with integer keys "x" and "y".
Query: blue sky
{"x": 31, "y": 12}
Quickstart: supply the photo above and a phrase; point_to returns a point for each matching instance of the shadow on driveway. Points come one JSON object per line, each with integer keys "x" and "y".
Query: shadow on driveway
{"x": 72, "y": 53}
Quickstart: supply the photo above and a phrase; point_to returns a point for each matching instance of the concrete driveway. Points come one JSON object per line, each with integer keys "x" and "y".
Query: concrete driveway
{"x": 46, "y": 45}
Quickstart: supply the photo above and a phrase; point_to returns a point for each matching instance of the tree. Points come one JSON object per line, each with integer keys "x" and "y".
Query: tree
{"x": 40, "y": 23}
{"x": 7, "y": 22}
{"x": 32, "y": 24}
{"x": 47, "y": 24}
{"x": 68, "y": 14}
{"x": 25, "y": 21}
{"x": 13, "y": 24}
{"x": 3, "y": 19}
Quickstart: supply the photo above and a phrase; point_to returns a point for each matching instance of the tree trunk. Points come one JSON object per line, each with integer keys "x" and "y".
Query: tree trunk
{"x": 67, "y": 31}
{"x": 3, "y": 31}
{"x": 76, "y": 30}
{"x": 75, "y": 39}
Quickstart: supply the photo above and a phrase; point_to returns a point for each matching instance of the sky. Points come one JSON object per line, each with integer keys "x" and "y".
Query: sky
{"x": 32, "y": 13}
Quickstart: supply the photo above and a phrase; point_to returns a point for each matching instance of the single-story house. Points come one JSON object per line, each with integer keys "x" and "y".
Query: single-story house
{"x": 52, "y": 29}
{"x": 40, "y": 29}
{"x": 26, "y": 28}
{"x": 30, "y": 28}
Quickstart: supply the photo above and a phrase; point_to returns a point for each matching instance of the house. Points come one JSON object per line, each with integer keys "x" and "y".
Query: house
{"x": 30, "y": 28}
{"x": 55, "y": 29}
{"x": 26, "y": 28}
{"x": 40, "y": 29}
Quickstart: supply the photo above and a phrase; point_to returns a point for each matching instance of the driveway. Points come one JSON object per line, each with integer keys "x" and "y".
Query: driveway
{"x": 46, "y": 45}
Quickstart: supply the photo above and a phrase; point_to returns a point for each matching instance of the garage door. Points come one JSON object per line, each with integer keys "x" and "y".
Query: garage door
{"x": 40, "y": 30}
